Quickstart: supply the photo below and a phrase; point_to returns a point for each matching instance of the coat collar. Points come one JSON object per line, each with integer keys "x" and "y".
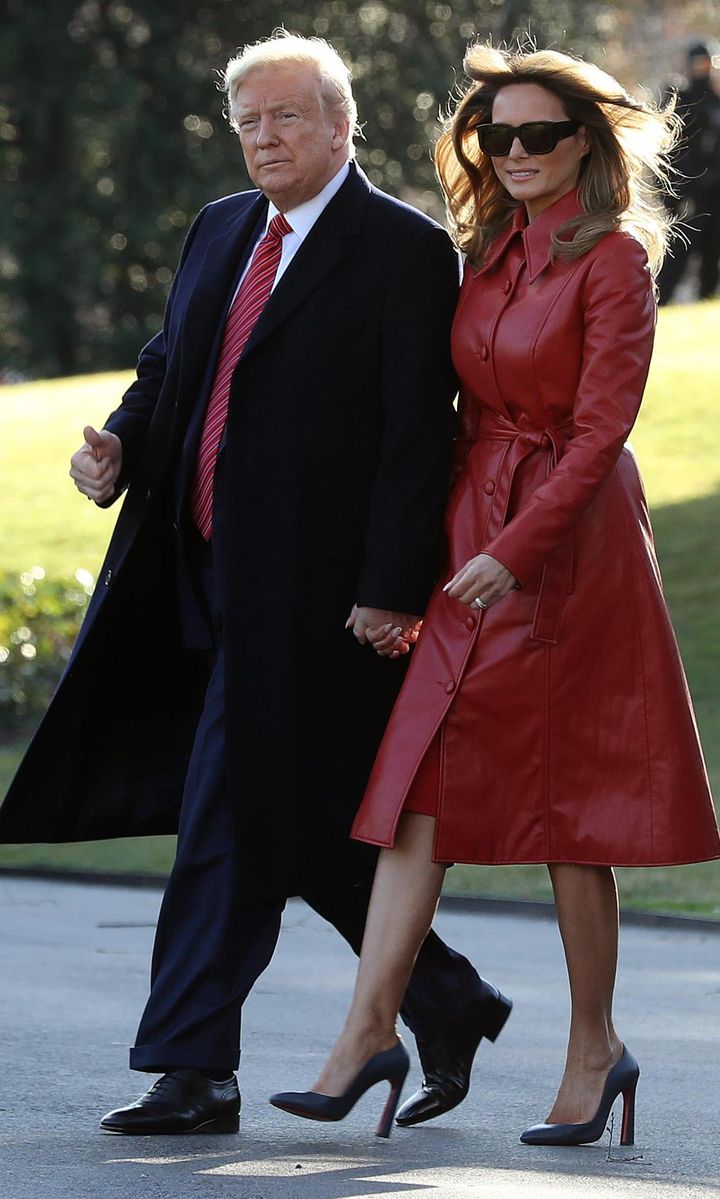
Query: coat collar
{"x": 535, "y": 234}
{"x": 302, "y": 218}
{"x": 325, "y": 246}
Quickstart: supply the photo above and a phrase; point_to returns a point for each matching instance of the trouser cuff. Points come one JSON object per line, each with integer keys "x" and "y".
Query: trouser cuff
{"x": 162, "y": 1058}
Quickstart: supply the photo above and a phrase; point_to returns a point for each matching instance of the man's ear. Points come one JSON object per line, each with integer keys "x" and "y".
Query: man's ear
{"x": 341, "y": 132}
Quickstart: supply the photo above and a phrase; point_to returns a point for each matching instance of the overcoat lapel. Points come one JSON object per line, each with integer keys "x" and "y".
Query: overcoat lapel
{"x": 226, "y": 256}
{"x": 225, "y": 259}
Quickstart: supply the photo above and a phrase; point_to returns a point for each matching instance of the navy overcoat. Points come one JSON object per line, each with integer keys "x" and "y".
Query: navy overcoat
{"x": 337, "y": 454}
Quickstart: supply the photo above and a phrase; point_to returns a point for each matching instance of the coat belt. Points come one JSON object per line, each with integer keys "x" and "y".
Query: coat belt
{"x": 523, "y": 440}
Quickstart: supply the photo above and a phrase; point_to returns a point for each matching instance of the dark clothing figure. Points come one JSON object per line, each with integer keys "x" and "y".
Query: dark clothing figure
{"x": 698, "y": 200}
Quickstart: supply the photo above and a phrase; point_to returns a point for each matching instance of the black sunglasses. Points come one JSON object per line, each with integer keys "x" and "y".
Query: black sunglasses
{"x": 536, "y": 137}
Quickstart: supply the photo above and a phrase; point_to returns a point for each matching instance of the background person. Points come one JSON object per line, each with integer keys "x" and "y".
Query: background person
{"x": 698, "y": 189}
{"x": 545, "y": 716}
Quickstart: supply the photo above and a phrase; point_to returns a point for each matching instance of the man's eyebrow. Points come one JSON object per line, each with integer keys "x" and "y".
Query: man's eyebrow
{"x": 295, "y": 101}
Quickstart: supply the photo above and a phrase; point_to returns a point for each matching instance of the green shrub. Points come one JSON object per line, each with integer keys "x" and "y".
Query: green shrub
{"x": 39, "y": 621}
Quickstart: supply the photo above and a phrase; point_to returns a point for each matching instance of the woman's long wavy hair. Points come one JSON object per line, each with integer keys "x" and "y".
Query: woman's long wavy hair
{"x": 621, "y": 179}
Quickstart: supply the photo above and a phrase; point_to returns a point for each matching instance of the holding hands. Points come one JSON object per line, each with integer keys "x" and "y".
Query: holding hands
{"x": 389, "y": 633}
{"x": 95, "y": 467}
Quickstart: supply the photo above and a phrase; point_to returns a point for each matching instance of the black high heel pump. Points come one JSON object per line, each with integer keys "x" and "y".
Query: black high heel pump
{"x": 390, "y": 1066}
{"x": 622, "y": 1080}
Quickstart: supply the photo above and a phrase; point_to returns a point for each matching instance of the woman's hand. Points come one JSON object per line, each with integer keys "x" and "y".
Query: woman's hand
{"x": 481, "y": 578}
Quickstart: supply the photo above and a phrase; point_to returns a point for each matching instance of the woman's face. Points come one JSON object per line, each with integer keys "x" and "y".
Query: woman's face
{"x": 538, "y": 180}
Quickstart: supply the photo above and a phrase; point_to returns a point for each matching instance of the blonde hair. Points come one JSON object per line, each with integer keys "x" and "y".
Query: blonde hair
{"x": 620, "y": 179}
{"x": 284, "y": 49}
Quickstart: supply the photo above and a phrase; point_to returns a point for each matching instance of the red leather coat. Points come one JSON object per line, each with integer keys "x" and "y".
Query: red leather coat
{"x": 566, "y": 729}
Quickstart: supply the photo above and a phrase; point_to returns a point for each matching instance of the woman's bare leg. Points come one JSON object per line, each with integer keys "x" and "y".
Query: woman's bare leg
{"x": 402, "y": 907}
{"x": 587, "y": 911}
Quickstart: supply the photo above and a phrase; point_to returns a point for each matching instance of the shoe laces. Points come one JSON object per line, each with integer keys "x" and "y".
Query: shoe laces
{"x": 163, "y": 1083}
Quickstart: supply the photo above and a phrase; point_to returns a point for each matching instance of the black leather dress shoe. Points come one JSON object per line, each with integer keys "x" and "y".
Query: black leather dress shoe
{"x": 182, "y": 1101}
{"x": 447, "y": 1060}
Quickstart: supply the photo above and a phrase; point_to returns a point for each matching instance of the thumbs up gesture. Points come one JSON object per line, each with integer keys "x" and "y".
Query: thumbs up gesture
{"x": 95, "y": 467}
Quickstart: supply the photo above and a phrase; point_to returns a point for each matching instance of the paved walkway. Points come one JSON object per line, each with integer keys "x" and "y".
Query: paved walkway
{"x": 73, "y": 977}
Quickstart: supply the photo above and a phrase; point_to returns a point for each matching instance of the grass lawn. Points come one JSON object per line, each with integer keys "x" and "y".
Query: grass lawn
{"x": 46, "y": 521}
{"x": 677, "y": 441}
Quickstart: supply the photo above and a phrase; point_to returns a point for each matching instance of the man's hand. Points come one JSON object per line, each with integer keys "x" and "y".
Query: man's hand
{"x": 96, "y": 466}
{"x": 482, "y": 577}
{"x": 389, "y": 633}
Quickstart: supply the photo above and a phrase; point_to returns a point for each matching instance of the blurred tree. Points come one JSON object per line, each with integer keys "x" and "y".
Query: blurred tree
{"x": 112, "y": 136}
{"x": 107, "y": 111}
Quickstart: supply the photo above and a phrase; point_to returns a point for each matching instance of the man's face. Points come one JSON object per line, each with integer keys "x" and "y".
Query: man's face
{"x": 292, "y": 144}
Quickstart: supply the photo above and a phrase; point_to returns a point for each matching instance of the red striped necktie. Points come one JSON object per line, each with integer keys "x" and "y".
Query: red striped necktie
{"x": 249, "y": 302}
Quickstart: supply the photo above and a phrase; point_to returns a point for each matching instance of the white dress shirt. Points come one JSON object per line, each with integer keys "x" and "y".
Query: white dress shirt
{"x": 302, "y": 220}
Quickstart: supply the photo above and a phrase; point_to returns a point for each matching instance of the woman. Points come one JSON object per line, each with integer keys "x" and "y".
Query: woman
{"x": 545, "y": 716}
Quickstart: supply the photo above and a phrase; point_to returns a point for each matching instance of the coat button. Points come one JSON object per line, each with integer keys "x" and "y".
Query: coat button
{"x": 148, "y": 493}
{"x": 484, "y": 353}
{"x": 470, "y": 623}
{"x": 175, "y": 526}
{"x": 450, "y": 687}
{"x": 489, "y": 487}
{"x": 507, "y": 288}
{"x": 108, "y": 577}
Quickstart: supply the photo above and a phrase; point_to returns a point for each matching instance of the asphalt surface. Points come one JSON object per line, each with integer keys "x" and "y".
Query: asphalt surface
{"x": 73, "y": 978}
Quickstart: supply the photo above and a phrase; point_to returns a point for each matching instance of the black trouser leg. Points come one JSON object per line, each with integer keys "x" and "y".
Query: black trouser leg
{"x": 443, "y": 982}
{"x": 673, "y": 268}
{"x": 709, "y": 250}
{"x": 210, "y": 946}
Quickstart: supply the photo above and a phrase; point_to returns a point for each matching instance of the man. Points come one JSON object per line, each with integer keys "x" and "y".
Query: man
{"x": 698, "y": 198}
{"x": 285, "y": 448}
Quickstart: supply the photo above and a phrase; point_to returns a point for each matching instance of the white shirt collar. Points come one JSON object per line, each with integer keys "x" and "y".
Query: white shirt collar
{"x": 305, "y": 215}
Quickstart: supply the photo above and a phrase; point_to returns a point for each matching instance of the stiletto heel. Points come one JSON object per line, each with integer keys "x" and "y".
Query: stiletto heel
{"x": 384, "y": 1127}
{"x": 622, "y": 1080}
{"x": 627, "y": 1130}
{"x": 390, "y": 1066}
